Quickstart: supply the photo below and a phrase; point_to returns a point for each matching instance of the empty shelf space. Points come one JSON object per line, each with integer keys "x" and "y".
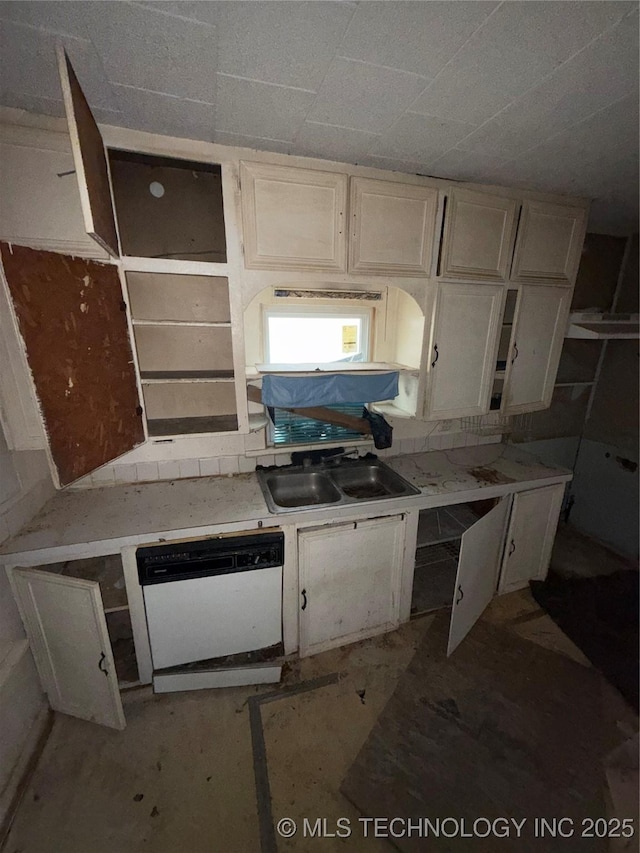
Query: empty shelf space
{"x": 192, "y": 426}
{"x": 186, "y": 376}
{"x": 434, "y": 578}
{"x": 123, "y": 648}
{"x": 444, "y": 524}
{"x": 107, "y": 571}
{"x": 183, "y": 349}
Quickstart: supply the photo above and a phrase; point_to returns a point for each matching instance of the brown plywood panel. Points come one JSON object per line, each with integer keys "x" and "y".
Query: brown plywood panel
{"x": 90, "y": 160}
{"x": 75, "y": 331}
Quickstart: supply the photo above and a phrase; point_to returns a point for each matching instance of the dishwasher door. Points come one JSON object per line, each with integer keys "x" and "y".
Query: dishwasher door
{"x": 209, "y": 617}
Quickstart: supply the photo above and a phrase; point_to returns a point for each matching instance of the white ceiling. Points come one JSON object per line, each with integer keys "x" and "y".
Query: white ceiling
{"x": 535, "y": 94}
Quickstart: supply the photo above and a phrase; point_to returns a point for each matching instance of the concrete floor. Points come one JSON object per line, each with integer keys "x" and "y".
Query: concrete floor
{"x": 180, "y": 777}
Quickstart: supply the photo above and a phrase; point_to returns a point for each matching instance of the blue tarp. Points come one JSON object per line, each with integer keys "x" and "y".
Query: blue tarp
{"x": 327, "y": 389}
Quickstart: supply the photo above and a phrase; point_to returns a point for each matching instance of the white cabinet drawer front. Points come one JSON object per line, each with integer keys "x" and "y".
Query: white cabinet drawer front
{"x": 293, "y": 218}
{"x": 478, "y": 236}
{"x": 536, "y": 346}
{"x": 392, "y": 227}
{"x": 549, "y": 243}
{"x": 462, "y": 358}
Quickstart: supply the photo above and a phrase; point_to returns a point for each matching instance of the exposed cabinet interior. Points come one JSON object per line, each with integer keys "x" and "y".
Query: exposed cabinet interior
{"x": 168, "y": 208}
{"x": 107, "y": 572}
{"x": 504, "y": 349}
{"x": 182, "y": 329}
{"x": 437, "y": 551}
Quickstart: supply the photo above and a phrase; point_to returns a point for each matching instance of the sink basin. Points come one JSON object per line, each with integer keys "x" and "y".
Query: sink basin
{"x": 367, "y": 482}
{"x": 352, "y": 481}
{"x": 293, "y": 489}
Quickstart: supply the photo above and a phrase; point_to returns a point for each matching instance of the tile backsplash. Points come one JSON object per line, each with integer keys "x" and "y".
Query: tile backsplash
{"x": 227, "y": 465}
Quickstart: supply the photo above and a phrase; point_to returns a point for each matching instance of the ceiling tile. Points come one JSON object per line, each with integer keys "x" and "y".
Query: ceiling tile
{"x": 156, "y": 52}
{"x": 28, "y": 65}
{"x": 418, "y": 37}
{"x": 55, "y": 16}
{"x": 601, "y": 74}
{"x": 518, "y": 46}
{"x": 420, "y": 138}
{"x": 287, "y": 43}
{"x": 258, "y": 143}
{"x": 333, "y": 143}
{"x": 159, "y": 113}
{"x": 363, "y": 96}
{"x": 260, "y": 109}
{"x": 468, "y": 166}
{"x": 195, "y": 10}
{"x": 392, "y": 164}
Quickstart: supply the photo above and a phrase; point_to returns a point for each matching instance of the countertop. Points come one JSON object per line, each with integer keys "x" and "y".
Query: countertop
{"x": 90, "y": 522}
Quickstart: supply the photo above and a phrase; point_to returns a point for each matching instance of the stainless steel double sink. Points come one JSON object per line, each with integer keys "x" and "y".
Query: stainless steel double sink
{"x": 297, "y": 488}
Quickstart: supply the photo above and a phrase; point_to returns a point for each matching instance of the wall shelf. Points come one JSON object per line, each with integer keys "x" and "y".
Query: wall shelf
{"x": 156, "y": 376}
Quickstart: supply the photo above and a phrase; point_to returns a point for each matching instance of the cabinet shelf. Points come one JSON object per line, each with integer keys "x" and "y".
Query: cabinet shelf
{"x": 153, "y": 376}
{"x": 207, "y": 323}
{"x": 175, "y": 427}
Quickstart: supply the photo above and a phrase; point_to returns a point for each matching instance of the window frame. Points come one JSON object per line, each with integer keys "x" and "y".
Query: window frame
{"x": 364, "y": 313}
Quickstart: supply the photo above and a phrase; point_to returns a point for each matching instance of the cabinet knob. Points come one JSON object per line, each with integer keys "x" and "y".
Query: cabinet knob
{"x": 304, "y": 599}
{"x": 460, "y": 595}
{"x": 515, "y": 352}
{"x": 512, "y": 547}
{"x": 435, "y": 349}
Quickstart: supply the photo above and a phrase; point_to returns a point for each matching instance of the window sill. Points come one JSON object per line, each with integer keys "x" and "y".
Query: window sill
{"x": 258, "y": 370}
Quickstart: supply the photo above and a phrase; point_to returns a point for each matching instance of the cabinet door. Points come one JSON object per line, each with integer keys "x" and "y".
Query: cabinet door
{"x": 478, "y": 566}
{"x": 463, "y": 349}
{"x": 532, "y": 529}
{"x": 549, "y": 243}
{"x": 293, "y": 218}
{"x": 67, "y": 631}
{"x": 539, "y": 327}
{"x": 90, "y": 160}
{"x": 349, "y": 582}
{"x": 392, "y": 227}
{"x": 71, "y": 319}
{"x": 478, "y": 236}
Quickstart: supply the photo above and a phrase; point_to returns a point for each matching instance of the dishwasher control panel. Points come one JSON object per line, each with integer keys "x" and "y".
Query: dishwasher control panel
{"x": 209, "y": 557}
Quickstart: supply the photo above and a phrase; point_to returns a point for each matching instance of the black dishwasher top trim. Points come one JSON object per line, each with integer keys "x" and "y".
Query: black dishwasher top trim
{"x": 178, "y": 561}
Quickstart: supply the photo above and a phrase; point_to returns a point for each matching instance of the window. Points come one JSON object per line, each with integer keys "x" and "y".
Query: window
{"x": 295, "y": 335}
{"x": 295, "y": 429}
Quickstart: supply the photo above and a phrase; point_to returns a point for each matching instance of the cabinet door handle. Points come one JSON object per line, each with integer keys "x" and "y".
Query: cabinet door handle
{"x": 101, "y": 665}
{"x": 304, "y": 599}
{"x": 512, "y": 547}
{"x": 515, "y": 352}
{"x": 435, "y": 349}
{"x": 460, "y": 595}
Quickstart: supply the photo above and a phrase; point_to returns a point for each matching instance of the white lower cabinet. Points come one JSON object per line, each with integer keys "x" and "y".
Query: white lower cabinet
{"x": 532, "y": 529}
{"x": 68, "y": 635}
{"x": 349, "y": 581}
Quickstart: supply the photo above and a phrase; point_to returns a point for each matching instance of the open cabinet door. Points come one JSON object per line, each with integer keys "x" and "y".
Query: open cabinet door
{"x": 478, "y": 567}
{"x": 64, "y": 620}
{"x": 72, "y": 320}
{"x": 90, "y": 160}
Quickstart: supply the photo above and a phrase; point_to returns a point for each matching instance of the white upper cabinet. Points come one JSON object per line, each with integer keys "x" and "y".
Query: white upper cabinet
{"x": 392, "y": 227}
{"x": 549, "y": 243}
{"x": 478, "y": 235}
{"x": 90, "y": 160}
{"x": 536, "y": 344}
{"x": 463, "y": 344}
{"x": 293, "y": 218}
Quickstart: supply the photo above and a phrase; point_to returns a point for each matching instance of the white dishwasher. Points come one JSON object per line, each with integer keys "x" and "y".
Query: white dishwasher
{"x": 212, "y": 598}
